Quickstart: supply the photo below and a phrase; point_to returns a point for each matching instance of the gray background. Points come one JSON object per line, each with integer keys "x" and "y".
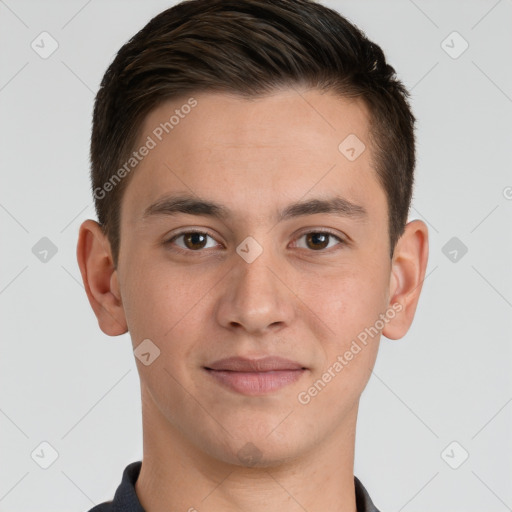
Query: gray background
{"x": 64, "y": 382}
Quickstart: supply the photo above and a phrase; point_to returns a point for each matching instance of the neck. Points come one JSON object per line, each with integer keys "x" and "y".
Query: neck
{"x": 178, "y": 475}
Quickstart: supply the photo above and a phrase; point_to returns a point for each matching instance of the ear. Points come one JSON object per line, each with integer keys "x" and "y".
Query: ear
{"x": 100, "y": 278}
{"x": 408, "y": 269}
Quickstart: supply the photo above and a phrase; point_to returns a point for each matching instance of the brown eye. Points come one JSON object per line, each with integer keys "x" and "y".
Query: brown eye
{"x": 192, "y": 241}
{"x": 317, "y": 240}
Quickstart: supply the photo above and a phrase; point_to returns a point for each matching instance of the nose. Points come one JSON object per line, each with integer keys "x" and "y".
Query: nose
{"x": 256, "y": 296}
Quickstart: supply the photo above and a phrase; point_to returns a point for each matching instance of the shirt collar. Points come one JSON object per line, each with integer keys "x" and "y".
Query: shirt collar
{"x": 126, "y": 500}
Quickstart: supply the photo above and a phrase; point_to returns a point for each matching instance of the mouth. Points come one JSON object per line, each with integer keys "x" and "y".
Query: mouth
{"x": 255, "y": 376}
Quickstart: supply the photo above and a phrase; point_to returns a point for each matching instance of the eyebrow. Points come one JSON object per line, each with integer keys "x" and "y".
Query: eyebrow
{"x": 174, "y": 205}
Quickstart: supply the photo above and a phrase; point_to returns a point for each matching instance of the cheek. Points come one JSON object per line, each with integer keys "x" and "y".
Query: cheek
{"x": 350, "y": 305}
{"x": 351, "y": 300}
{"x": 167, "y": 308}
{"x": 153, "y": 300}
{"x": 161, "y": 306}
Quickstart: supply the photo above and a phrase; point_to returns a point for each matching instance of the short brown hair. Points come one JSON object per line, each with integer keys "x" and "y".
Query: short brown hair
{"x": 250, "y": 48}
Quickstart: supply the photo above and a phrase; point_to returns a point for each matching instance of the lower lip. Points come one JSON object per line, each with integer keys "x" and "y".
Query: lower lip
{"x": 256, "y": 383}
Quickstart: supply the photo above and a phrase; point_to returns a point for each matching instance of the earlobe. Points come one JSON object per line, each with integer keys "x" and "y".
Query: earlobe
{"x": 100, "y": 278}
{"x": 407, "y": 275}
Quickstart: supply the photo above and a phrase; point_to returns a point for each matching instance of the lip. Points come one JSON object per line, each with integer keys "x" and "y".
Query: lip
{"x": 255, "y": 376}
{"x": 264, "y": 364}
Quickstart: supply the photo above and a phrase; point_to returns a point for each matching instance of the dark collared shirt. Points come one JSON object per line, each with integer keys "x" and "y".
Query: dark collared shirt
{"x": 125, "y": 499}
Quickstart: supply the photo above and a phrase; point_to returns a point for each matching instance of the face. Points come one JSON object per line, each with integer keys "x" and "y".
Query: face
{"x": 246, "y": 232}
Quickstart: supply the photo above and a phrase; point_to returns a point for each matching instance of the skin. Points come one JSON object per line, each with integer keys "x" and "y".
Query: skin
{"x": 299, "y": 300}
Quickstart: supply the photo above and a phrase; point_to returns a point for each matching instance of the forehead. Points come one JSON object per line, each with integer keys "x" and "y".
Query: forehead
{"x": 254, "y": 152}
{"x": 219, "y": 120}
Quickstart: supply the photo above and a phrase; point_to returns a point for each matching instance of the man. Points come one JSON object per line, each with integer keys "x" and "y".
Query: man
{"x": 252, "y": 166}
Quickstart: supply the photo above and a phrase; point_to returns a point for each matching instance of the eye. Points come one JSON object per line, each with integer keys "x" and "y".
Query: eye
{"x": 192, "y": 240}
{"x": 319, "y": 240}
{"x": 195, "y": 241}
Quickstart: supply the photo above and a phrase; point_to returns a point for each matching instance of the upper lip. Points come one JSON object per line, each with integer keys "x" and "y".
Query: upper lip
{"x": 265, "y": 364}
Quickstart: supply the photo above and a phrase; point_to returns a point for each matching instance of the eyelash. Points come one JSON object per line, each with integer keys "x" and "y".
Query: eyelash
{"x": 190, "y": 231}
